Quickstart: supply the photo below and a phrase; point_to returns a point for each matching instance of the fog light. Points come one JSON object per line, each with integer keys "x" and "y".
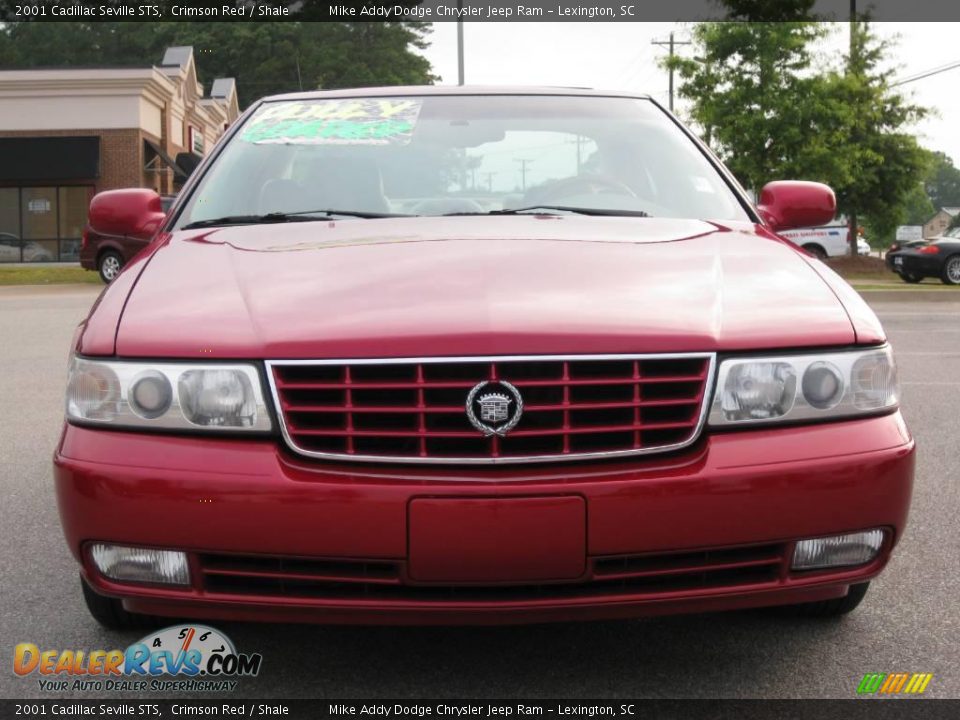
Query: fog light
{"x": 144, "y": 565}
{"x": 837, "y": 550}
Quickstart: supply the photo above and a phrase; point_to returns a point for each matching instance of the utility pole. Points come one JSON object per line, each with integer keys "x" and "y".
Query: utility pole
{"x": 671, "y": 44}
{"x": 523, "y": 172}
{"x": 579, "y": 143}
{"x": 489, "y": 177}
{"x": 852, "y": 65}
{"x": 460, "y": 43}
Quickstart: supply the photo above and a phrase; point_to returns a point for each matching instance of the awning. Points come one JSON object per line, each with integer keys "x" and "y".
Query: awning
{"x": 160, "y": 153}
{"x": 28, "y": 159}
{"x": 188, "y": 161}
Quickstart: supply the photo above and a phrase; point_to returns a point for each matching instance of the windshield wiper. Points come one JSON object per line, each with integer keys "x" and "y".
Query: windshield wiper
{"x": 559, "y": 208}
{"x": 282, "y": 217}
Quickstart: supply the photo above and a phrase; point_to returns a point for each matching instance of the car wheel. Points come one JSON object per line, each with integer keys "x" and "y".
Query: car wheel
{"x": 835, "y": 607}
{"x": 818, "y": 252}
{"x": 109, "y": 611}
{"x": 109, "y": 265}
{"x": 951, "y": 271}
{"x": 910, "y": 278}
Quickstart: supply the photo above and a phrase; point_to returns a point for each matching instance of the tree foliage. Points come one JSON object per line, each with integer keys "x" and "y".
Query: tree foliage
{"x": 264, "y": 57}
{"x": 942, "y": 182}
{"x": 917, "y": 207}
{"x": 885, "y": 162}
{"x": 771, "y": 113}
{"x": 761, "y": 108}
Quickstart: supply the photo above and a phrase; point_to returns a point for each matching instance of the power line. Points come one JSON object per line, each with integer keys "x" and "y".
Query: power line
{"x": 927, "y": 73}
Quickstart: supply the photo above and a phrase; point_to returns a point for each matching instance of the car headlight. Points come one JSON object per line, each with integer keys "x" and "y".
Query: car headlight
{"x": 175, "y": 396}
{"x": 800, "y": 388}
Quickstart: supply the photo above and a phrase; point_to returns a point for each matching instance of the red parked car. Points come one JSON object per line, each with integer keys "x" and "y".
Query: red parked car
{"x": 445, "y": 355}
{"x": 108, "y": 253}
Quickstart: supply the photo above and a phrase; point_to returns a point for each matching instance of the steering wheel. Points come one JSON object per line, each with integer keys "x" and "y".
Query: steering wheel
{"x": 592, "y": 184}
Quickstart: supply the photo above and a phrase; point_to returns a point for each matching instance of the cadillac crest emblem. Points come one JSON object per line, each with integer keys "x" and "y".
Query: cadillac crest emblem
{"x": 495, "y": 412}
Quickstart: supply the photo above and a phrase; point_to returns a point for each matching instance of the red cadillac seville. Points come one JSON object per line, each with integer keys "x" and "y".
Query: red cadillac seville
{"x": 447, "y": 355}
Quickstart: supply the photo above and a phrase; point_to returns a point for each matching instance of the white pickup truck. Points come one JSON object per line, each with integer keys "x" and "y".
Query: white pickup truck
{"x": 824, "y": 242}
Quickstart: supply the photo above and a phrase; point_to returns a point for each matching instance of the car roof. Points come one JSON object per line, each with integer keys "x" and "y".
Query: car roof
{"x": 392, "y": 91}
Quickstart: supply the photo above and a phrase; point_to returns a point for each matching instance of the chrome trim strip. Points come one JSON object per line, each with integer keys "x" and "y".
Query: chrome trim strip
{"x": 514, "y": 460}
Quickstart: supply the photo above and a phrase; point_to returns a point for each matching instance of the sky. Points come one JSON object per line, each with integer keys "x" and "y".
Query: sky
{"x": 620, "y": 56}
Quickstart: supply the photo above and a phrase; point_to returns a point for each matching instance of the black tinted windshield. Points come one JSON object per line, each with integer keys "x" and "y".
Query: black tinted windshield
{"x": 461, "y": 154}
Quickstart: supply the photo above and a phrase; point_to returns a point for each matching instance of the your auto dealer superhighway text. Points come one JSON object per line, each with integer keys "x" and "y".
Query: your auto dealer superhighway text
{"x": 455, "y": 711}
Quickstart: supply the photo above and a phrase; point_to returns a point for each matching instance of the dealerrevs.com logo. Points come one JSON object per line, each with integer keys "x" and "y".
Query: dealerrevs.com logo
{"x": 200, "y": 658}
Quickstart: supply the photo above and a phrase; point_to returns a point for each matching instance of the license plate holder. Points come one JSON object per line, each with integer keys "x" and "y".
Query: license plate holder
{"x": 496, "y": 540}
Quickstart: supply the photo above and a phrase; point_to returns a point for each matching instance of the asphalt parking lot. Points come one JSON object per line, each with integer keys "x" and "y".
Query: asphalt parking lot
{"x": 910, "y": 620}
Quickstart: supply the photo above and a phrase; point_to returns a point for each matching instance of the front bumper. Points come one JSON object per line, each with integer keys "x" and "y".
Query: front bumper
{"x": 332, "y": 543}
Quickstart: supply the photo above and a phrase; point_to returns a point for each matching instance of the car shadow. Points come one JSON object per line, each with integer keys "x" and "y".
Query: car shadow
{"x": 664, "y": 657}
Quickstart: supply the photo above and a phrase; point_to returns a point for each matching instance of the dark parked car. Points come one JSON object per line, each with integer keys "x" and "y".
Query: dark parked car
{"x": 107, "y": 254}
{"x": 939, "y": 258}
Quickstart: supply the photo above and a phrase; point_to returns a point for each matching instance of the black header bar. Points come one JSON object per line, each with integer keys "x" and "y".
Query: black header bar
{"x": 447, "y": 10}
{"x": 458, "y": 709}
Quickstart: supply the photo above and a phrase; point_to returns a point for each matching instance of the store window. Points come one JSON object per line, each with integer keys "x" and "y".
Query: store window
{"x": 9, "y": 225}
{"x": 42, "y": 224}
{"x": 73, "y": 202}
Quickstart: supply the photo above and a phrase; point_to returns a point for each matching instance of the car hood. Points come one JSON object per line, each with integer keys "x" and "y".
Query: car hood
{"x": 476, "y": 286}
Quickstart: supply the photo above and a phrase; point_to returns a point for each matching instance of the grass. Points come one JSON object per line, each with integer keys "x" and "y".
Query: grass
{"x": 871, "y": 273}
{"x": 46, "y": 275}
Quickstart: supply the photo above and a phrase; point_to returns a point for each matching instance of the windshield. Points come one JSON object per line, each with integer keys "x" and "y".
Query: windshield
{"x": 460, "y": 154}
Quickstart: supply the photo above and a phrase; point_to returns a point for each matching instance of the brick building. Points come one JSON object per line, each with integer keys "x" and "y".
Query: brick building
{"x": 68, "y": 133}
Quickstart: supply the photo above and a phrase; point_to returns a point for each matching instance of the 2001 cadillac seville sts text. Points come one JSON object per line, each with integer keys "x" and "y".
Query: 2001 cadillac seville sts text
{"x": 445, "y": 355}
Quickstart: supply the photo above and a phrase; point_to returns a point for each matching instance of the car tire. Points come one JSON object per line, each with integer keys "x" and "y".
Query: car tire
{"x": 835, "y": 607}
{"x": 910, "y": 278}
{"x": 950, "y": 275}
{"x": 109, "y": 612}
{"x": 109, "y": 264}
{"x": 818, "y": 252}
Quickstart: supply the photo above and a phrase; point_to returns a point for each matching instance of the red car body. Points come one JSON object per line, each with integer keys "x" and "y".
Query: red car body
{"x": 709, "y": 526}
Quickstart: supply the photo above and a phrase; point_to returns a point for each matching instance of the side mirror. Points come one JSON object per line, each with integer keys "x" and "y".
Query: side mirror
{"x": 134, "y": 213}
{"x": 786, "y": 204}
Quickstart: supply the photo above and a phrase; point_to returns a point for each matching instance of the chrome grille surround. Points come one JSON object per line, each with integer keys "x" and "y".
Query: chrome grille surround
{"x": 702, "y": 404}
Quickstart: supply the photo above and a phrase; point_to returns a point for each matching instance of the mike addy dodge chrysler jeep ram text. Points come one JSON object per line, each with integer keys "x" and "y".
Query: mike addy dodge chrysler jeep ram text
{"x": 447, "y": 355}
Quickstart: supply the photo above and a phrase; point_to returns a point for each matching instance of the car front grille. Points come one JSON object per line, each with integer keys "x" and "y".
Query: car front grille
{"x": 415, "y": 410}
{"x": 607, "y": 577}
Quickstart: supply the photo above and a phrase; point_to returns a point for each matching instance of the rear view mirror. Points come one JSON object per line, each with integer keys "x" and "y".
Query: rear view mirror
{"x": 136, "y": 212}
{"x": 786, "y": 204}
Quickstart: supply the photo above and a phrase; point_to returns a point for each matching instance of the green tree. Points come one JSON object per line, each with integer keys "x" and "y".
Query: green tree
{"x": 265, "y": 57}
{"x": 942, "y": 182}
{"x": 762, "y": 108}
{"x": 771, "y": 114}
{"x": 917, "y": 207}
{"x": 884, "y": 161}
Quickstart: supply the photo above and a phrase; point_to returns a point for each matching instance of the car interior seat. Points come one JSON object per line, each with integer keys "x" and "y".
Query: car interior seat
{"x": 342, "y": 182}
